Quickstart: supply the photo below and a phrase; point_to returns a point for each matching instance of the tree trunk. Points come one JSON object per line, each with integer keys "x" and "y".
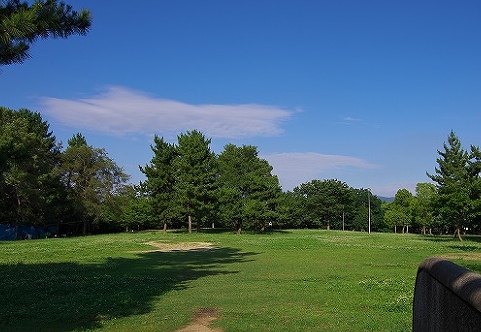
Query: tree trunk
{"x": 189, "y": 218}
{"x": 165, "y": 227}
{"x": 458, "y": 233}
{"x": 18, "y": 219}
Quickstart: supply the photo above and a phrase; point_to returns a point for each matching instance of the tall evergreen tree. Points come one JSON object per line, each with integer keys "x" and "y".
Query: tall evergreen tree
{"x": 453, "y": 181}
{"x": 30, "y": 188}
{"x": 249, "y": 193}
{"x": 161, "y": 180}
{"x": 196, "y": 173}
{"x": 474, "y": 171}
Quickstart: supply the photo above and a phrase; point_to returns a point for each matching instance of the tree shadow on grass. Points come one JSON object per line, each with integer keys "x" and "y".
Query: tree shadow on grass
{"x": 72, "y": 296}
{"x": 452, "y": 238}
{"x": 439, "y": 238}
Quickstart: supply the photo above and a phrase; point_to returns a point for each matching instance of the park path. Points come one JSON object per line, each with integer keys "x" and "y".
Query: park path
{"x": 202, "y": 320}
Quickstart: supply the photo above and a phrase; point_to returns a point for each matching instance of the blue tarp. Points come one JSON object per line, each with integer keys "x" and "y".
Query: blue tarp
{"x": 11, "y": 232}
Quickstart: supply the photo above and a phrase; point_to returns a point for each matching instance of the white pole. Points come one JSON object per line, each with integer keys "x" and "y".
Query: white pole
{"x": 369, "y": 207}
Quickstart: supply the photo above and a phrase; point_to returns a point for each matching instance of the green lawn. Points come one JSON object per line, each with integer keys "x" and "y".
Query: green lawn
{"x": 283, "y": 281}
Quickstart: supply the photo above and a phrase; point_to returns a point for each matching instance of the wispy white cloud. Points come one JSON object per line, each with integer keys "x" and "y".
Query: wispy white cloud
{"x": 350, "y": 119}
{"x": 299, "y": 167}
{"x": 119, "y": 111}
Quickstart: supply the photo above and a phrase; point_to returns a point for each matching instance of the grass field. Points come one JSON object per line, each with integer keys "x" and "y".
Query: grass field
{"x": 283, "y": 281}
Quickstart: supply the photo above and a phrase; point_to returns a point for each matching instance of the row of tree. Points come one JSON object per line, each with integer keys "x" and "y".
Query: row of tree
{"x": 236, "y": 189}
{"x": 81, "y": 190}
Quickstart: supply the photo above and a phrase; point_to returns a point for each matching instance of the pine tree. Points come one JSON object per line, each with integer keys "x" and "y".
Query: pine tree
{"x": 249, "y": 192}
{"x": 160, "y": 184}
{"x": 196, "y": 173}
{"x": 22, "y": 24}
{"x": 453, "y": 185}
{"x": 30, "y": 188}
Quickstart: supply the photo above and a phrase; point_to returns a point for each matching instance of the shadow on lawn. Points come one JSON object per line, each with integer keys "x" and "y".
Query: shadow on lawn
{"x": 465, "y": 247}
{"x": 451, "y": 238}
{"x": 71, "y": 296}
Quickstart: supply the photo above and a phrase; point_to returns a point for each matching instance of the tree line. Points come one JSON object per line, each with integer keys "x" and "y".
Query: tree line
{"x": 186, "y": 183}
{"x": 81, "y": 190}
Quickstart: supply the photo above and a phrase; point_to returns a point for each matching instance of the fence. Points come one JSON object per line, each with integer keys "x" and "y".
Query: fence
{"x": 447, "y": 297}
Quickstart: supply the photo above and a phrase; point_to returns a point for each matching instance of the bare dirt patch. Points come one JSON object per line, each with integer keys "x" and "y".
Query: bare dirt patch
{"x": 202, "y": 320}
{"x": 181, "y": 246}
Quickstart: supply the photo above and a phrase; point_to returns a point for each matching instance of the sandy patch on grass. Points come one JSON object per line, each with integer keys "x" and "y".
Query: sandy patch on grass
{"x": 202, "y": 320}
{"x": 463, "y": 256}
{"x": 181, "y": 246}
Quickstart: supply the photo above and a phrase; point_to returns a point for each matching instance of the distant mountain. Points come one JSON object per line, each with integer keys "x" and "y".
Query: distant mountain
{"x": 386, "y": 199}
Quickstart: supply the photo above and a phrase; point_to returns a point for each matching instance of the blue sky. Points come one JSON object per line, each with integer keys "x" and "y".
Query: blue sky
{"x": 361, "y": 91}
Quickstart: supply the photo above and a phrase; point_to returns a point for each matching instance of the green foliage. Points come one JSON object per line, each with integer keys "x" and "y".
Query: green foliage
{"x": 196, "y": 172}
{"x": 357, "y": 211}
{"x": 42, "y": 186}
{"x": 21, "y": 24}
{"x": 424, "y": 206}
{"x": 30, "y": 187}
{"x": 160, "y": 184}
{"x": 248, "y": 192}
{"x": 395, "y": 216}
{"x": 333, "y": 204}
{"x": 474, "y": 172}
{"x": 290, "y": 212}
{"x": 139, "y": 211}
{"x": 92, "y": 180}
{"x": 400, "y": 212}
{"x": 323, "y": 201}
{"x": 457, "y": 180}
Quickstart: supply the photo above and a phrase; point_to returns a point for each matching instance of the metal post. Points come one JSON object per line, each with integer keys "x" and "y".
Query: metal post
{"x": 369, "y": 208}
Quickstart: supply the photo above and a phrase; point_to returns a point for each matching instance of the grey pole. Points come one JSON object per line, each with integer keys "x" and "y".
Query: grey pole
{"x": 369, "y": 208}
